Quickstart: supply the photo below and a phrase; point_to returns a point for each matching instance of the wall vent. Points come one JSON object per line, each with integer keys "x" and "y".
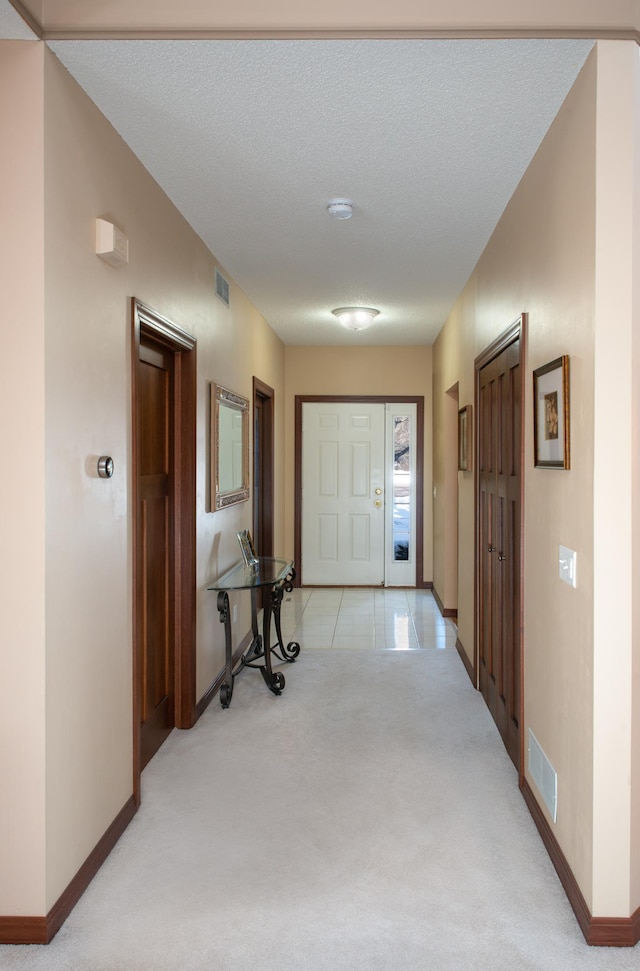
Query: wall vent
{"x": 544, "y": 775}
{"x": 222, "y": 287}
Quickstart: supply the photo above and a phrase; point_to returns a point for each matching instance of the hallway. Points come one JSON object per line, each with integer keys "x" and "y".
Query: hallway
{"x": 367, "y": 818}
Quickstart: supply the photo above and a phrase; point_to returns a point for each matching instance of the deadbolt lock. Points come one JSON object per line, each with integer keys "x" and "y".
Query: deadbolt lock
{"x": 378, "y": 492}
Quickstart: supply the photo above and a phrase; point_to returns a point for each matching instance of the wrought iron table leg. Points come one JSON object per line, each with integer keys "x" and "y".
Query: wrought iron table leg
{"x": 254, "y": 650}
{"x": 291, "y": 651}
{"x": 226, "y": 688}
{"x": 274, "y": 681}
{"x": 261, "y": 646}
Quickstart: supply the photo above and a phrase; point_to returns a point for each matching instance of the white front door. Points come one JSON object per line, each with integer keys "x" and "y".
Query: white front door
{"x": 343, "y": 484}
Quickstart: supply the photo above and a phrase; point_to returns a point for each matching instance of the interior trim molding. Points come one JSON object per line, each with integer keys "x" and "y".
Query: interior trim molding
{"x": 148, "y": 323}
{"x": 598, "y": 931}
{"x": 615, "y": 931}
{"x": 42, "y": 930}
{"x": 605, "y": 28}
{"x": 445, "y": 611}
{"x": 404, "y": 33}
{"x": 468, "y": 666}
{"x": 265, "y": 395}
{"x": 23, "y": 930}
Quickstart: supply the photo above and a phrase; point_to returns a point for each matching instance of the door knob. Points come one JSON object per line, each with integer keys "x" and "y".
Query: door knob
{"x": 378, "y": 503}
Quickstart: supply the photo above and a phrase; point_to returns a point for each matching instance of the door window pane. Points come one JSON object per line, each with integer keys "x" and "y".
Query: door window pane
{"x": 401, "y": 487}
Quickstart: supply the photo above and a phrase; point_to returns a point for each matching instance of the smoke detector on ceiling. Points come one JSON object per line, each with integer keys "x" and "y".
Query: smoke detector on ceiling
{"x": 340, "y": 208}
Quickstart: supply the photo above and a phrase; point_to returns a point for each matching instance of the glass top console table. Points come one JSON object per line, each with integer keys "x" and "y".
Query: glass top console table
{"x": 274, "y": 576}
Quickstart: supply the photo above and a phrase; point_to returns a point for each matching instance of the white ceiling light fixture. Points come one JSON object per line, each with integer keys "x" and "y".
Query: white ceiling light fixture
{"x": 340, "y": 208}
{"x": 355, "y": 318}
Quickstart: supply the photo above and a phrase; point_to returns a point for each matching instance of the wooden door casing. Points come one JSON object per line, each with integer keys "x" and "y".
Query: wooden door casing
{"x": 263, "y": 473}
{"x": 155, "y": 548}
{"x": 499, "y": 537}
{"x": 163, "y": 509}
{"x": 263, "y": 467}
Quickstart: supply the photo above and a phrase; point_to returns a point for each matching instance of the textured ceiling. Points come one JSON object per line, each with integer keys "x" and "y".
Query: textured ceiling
{"x": 250, "y": 139}
{"x": 12, "y": 26}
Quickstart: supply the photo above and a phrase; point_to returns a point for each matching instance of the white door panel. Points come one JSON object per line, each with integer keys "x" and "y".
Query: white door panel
{"x": 327, "y": 527}
{"x": 343, "y": 465}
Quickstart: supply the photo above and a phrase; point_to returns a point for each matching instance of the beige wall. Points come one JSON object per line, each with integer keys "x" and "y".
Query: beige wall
{"x": 358, "y": 371}
{"x": 22, "y": 496}
{"x": 561, "y": 252}
{"x": 540, "y": 259}
{"x": 68, "y": 380}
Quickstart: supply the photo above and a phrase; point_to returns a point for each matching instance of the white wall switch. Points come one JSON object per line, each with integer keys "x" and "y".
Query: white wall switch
{"x": 567, "y": 565}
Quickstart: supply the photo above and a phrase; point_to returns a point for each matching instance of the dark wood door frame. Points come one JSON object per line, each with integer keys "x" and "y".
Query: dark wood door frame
{"x": 418, "y": 400}
{"x": 147, "y": 323}
{"x": 264, "y": 399}
{"x": 517, "y": 331}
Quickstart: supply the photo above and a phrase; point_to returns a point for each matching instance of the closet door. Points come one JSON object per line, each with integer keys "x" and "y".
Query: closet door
{"x": 499, "y": 531}
{"x": 155, "y": 548}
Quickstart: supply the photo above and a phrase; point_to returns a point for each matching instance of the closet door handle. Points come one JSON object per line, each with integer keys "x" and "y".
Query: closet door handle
{"x": 491, "y": 549}
{"x": 501, "y": 556}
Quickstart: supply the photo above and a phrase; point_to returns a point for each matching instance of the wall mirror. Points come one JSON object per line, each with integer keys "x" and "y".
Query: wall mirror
{"x": 229, "y": 447}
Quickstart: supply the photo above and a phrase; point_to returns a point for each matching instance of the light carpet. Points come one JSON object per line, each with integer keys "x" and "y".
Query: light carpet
{"x": 368, "y": 818}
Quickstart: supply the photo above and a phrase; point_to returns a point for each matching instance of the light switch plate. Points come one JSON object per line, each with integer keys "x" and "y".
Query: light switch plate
{"x": 567, "y": 565}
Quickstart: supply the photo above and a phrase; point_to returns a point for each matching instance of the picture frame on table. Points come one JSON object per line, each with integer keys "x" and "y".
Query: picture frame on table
{"x": 247, "y": 549}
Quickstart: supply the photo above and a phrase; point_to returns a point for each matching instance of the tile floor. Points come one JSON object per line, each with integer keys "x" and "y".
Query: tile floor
{"x": 387, "y": 619}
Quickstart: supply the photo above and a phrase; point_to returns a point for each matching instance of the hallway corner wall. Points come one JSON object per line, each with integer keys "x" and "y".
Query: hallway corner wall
{"x": 540, "y": 260}
{"x": 22, "y": 484}
{"x": 90, "y": 172}
{"x": 66, "y": 686}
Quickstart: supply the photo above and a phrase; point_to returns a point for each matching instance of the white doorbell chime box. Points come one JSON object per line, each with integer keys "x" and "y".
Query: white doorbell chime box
{"x": 112, "y": 245}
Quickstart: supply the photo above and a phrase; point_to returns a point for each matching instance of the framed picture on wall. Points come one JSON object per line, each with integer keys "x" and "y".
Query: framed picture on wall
{"x": 551, "y": 415}
{"x": 464, "y": 439}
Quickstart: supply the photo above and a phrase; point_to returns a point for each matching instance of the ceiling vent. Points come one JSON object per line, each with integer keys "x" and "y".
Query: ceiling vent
{"x": 222, "y": 287}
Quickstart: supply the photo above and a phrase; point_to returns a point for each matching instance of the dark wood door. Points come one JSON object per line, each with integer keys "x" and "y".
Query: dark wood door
{"x": 263, "y": 467}
{"x": 154, "y": 548}
{"x": 499, "y": 528}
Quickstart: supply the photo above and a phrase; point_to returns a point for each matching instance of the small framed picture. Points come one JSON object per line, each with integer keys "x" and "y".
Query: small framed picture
{"x": 246, "y": 546}
{"x": 464, "y": 439}
{"x": 551, "y": 415}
